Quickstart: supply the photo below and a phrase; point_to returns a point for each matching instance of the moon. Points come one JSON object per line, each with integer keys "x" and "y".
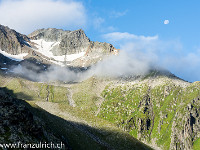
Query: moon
{"x": 166, "y": 22}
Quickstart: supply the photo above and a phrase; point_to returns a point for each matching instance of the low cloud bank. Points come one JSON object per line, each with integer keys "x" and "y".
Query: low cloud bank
{"x": 122, "y": 65}
{"x": 53, "y": 73}
{"x": 168, "y": 54}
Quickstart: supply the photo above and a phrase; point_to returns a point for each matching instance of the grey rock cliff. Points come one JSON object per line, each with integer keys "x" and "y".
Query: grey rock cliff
{"x": 50, "y": 34}
{"x": 186, "y": 127}
{"x": 11, "y": 41}
{"x": 74, "y": 42}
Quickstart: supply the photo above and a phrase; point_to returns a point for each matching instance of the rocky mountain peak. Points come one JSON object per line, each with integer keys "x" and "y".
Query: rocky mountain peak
{"x": 50, "y": 34}
{"x": 47, "y": 44}
{"x": 72, "y": 42}
{"x": 53, "y": 34}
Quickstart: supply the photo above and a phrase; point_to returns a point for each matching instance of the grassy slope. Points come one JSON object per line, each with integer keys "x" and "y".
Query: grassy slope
{"x": 196, "y": 145}
{"x": 27, "y": 90}
{"x": 87, "y": 94}
{"x": 32, "y": 91}
{"x": 124, "y": 105}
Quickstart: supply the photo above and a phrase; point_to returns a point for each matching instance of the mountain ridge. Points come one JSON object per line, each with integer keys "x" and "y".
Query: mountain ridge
{"x": 65, "y": 42}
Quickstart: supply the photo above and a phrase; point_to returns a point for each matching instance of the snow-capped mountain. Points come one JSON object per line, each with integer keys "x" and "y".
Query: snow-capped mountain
{"x": 53, "y": 46}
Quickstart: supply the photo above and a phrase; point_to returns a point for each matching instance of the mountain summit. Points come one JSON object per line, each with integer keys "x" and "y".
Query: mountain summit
{"x": 55, "y": 46}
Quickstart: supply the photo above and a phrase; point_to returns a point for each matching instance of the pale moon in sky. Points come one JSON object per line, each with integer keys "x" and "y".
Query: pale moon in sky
{"x": 166, "y": 22}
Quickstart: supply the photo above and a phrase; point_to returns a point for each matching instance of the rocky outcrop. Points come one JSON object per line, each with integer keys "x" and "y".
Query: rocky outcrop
{"x": 11, "y": 41}
{"x": 73, "y": 42}
{"x": 50, "y": 34}
{"x": 18, "y": 124}
{"x": 186, "y": 127}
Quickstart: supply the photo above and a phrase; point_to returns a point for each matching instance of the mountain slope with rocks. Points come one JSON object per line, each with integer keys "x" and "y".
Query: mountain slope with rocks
{"x": 96, "y": 111}
{"x": 49, "y": 104}
{"x": 160, "y": 111}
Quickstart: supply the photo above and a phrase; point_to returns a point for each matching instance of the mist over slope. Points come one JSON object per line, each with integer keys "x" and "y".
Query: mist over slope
{"x": 122, "y": 65}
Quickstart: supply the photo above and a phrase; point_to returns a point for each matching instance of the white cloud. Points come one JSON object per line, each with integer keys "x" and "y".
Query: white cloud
{"x": 117, "y": 14}
{"x": 121, "y": 38}
{"x": 151, "y": 50}
{"x": 118, "y": 36}
{"x": 28, "y": 15}
{"x": 98, "y": 21}
{"x": 99, "y": 24}
{"x": 124, "y": 64}
{"x": 185, "y": 66}
{"x": 166, "y": 22}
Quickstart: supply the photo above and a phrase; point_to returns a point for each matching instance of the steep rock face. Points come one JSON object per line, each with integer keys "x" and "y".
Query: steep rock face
{"x": 50, "y": 34}
{"x": 11, "y": 41}
{"x": 73, "y": 42}
{"x": 97, "y": 47}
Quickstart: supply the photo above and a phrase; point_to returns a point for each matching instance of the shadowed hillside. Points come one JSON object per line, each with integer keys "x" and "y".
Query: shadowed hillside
{"x": 32, "y": 120}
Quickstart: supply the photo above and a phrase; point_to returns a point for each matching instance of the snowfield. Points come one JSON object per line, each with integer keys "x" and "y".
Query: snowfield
{"x": 19, "y": 57}
{"x": 45, "y": 47}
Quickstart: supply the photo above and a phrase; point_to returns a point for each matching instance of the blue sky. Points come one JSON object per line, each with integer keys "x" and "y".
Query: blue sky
{"x": 139, "y": 23}
{"x": 146, "y": 17}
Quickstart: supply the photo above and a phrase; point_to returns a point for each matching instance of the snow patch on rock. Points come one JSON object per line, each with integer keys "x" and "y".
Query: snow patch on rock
{"x": 45, "y": 48}
{"x": 18, "y": 57}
